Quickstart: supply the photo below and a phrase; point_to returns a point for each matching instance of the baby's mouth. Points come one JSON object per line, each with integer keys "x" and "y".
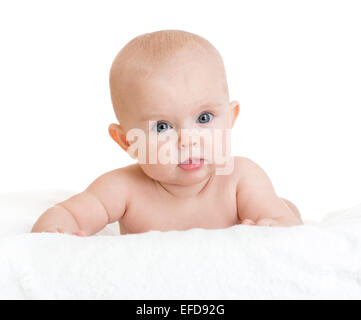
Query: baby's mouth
{"x": 191, "y": 161}
{"x": 191, "y": 164}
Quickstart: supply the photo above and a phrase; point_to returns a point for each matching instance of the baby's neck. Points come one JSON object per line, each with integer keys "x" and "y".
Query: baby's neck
{"x": 181, "y": 191}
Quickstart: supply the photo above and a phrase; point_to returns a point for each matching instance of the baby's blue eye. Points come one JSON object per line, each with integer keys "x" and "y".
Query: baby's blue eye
{"x": 162, "y": 126}
{"x": 205, "y": 117}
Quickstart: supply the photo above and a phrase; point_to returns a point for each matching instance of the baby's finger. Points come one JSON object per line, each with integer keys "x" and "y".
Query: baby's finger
{"x": 54, "y": 230}
{"x": 80, "y": 233}
{"x": 266, "y": 222}
{"x": 248, "y": 222}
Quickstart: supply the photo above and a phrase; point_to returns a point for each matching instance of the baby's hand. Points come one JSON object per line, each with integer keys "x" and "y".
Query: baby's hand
{"x": 267, "y": 222}
{"x": 60, "y": 230}
{"x": 261, "y": 222}
{"x": 80, "y": 233}
{"x": 249, "y": 222}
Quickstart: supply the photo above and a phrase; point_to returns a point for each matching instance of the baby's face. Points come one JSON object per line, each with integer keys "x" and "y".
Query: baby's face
{"x": 178, "y": 107}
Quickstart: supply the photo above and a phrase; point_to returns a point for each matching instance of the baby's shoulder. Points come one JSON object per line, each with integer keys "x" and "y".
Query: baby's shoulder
{"x": 239, "y": 167}
{"x": 124, "y": 176}
{"x": 241, "y": 164}
{"x": 248, "y": 171}
{"x": 244, "y": 167}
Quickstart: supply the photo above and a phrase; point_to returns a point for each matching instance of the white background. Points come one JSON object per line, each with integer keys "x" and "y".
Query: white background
{"x": 294, "y": 66}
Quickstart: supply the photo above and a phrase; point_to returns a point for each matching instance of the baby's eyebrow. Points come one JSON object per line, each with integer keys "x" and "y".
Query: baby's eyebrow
{"x": 210, "y": 105}
{"x": 203, "y": 106}
{"x": 153, "y": 116}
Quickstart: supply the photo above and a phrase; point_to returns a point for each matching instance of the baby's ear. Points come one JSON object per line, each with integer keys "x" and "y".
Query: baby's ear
{"x": 118, "y": 135}
{"x": 234, "y": 110}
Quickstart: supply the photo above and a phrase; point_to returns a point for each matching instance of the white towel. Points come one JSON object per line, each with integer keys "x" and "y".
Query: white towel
{"x": 320, "y": 260}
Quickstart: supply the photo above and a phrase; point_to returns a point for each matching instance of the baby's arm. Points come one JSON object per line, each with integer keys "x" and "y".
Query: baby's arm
{"x": 257, "y": 200}
{"x": 88, "y": 212}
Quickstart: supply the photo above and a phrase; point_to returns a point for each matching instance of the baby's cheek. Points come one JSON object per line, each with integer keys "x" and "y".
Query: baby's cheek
{"x": 221, "y": 144}
{"x": 162, "y": 149}
{"x": 152, "y": 150}
{"x": 168, "y": 152}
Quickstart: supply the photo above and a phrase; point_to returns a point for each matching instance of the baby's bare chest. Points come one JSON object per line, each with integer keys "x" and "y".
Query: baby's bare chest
{"x": 151, "y": 212}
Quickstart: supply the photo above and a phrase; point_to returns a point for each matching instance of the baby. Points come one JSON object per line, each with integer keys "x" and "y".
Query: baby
{"x": 170, "y": 96}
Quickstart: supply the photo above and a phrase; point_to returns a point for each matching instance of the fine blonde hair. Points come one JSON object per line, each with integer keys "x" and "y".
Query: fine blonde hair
{"x": 144, "y": 53}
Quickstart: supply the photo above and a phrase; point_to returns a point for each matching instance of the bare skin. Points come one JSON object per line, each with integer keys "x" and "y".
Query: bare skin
{"x": 143, "y": 196}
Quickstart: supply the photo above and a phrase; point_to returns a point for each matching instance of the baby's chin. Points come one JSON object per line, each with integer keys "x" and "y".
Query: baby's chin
{"x": 187, "y": 174}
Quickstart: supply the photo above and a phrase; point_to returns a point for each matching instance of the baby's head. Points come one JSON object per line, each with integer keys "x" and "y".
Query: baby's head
{"x": 171, "y": 85}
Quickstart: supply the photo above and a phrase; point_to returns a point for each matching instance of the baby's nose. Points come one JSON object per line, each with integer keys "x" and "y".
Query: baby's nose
{"x": 188, "y": 139}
